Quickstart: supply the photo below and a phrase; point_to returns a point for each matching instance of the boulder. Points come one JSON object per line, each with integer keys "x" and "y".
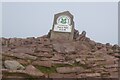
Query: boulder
{"x": 13, "y": 65}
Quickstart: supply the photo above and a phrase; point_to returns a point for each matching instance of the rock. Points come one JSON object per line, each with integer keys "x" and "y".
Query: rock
{"x": 23, "y": 50}
{"x": 23, "y": 62}
{"x": 43, "y": 54}
{"x": 76, "y": 34}
{"x": 78, "y": 60}
{"x": 42, "y": 63}
{"x": 64, "y": 48}
{"x": 95, "y": 59}
{"x": 92, "y": 44}
{"x": 109, "y": 51}
{"x": 82, "y": 36}
{"x": 108, "y": 46}
{"x": 21, "y": 56}
{"x": 69, "y": 69}
{"x": 13, "y": 65}
{"x": 57, "y": 57}
{"x": 57, "y": 75}
{"x": 5, "y": 49}
{"x": 111, "y": 66}
{"x": 115, "y": 47}
{"x": 88, "y": 75}
{"x": 32, "y": 71}
{"x": 59, "y": 63}
{"x": 4, "y": 41}
{"x": 99, "y": 45}
{"x": 59, "y": 48}
{"x": 83, "y": 47}
{"x": 42, "y": 49}
{"x": 116, "y": 55}
{"x": 69, "y": 48}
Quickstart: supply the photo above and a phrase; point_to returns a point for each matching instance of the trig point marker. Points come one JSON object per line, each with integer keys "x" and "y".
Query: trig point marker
{"x": 63, "y": 26}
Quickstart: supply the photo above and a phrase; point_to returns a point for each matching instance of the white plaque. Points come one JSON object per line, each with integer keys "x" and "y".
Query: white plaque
{"x": 62, "y": 28}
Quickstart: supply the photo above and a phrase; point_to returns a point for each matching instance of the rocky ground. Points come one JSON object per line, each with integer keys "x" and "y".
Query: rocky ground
{"x": 44, "y": 58}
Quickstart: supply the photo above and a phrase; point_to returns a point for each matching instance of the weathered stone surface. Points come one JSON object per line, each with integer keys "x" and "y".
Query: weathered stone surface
{"x": 59, "y": 62}
{"x": 42, "y": 54}
{"x": 21, "y": 56}
{"x": 79, "y": 60}
{"x": 57, "y": 57}
{"x": 23, "y": 50}
{"x": 82, "y": 47}
{"x": 99, "y": 45}
{"x": 59, "y": 48}
{"x": 69, "y": 48}
{"x": 83, "y": 75}
{"x": 42, "y": 63}
{"x": 64, "y": 48}
{"x": 5, "y": 49}
{"x": 57, "y": 75}
{"x": 76, "y": 34}
{"x": 44, "y": 49}
{"x": 97, "y": 59}
{"x": 13, "y": 65}
{"x": 69, "y": 69}
{"x": 82, "y": 36}
{"x": 31, "y": 70}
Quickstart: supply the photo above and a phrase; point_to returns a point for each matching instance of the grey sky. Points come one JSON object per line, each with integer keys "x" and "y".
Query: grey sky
{"x": 99, "y": 20}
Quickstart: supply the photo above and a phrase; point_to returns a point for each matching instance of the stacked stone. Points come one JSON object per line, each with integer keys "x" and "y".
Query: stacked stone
{"x": 40, "y": 57}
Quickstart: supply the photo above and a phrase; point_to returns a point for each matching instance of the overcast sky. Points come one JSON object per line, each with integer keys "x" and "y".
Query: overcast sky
{"x": 99, "y": 20}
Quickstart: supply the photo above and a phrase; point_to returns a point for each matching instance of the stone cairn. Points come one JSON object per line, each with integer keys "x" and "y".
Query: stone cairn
{"x": 43, "y": 57}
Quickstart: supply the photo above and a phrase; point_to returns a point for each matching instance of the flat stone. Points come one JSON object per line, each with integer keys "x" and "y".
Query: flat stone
{"x": 88, "y": 75}
{"x": 31, "y": 70}
{"x": 111, "y": 66}
{"x": 23, "y": 50}
{"x": 21, "y": 56}
{"x": 57, "y": 75}
{"x": 13, "y": 65}
{"x": 57, "y": 57}
{"x": 42, "y": 63}
{"x": 43, "y": 49}
{"x": 61, "y": 63}
{"x": 69, "y": 69}
{"x": 43, "y": 54}
{"x": 96, "y": 59}
{"x": 23, "y": 62}
{"x": 69, "y": 48}
{"x": 64, "y": 48}
{"x": 59, "y": 48}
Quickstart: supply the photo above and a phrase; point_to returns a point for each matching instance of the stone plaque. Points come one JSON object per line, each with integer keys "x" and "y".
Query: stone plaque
{"x": 63, "y": 26}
